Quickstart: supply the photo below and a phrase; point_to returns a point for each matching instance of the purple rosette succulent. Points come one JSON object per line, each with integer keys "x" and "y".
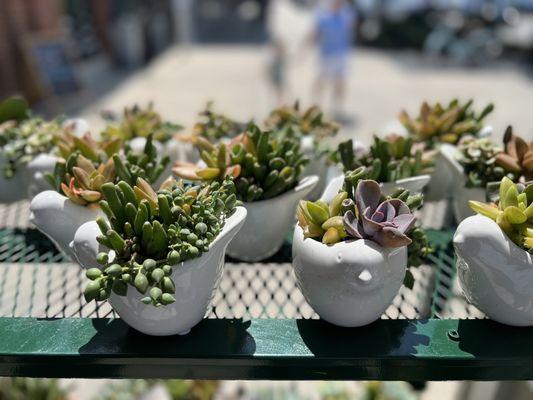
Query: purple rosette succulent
{"x": 386, "y": 223}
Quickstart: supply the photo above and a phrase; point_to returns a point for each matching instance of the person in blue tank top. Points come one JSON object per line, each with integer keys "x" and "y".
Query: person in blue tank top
{"x": 333, "y": 33}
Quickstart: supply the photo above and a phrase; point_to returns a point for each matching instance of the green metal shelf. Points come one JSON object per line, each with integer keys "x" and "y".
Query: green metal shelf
{"x": 285, "y": 349}
{"x": 260, "y": 326}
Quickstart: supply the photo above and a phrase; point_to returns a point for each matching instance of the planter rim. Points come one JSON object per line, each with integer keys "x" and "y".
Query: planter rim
{"x": 397, "y": 183}
{"x": 312, "y": 243}
{"x": 302, "y": 184}
{"x": 90, "y": 206}
{"x": 409, "y": 179}
{"x": 231, "y": 222}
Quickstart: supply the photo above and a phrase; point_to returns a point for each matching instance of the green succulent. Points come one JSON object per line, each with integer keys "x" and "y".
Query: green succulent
{"x": 214, "y": 126}
{"x": 22, "y": 141}
{"x": 513, "y": 212}
{"x": 290, "y": 121}
{"x": 96, "y": 151}
{"x": 388, "y": 160}
{"x": 263, "y": 167}
{"x": 139, "y": 122}
{"x": 444, "y": 124}
{"x": 81, "y": 178}
{"x": 34, "y": 389}
{"x": 309, "y": 122}
{"x": 479, "y": 160}
{"x": 151, "y": 233}
{"x": 147, "y": 165}
{"x": 327, "y": 222}
{"x": 14, "y": 108}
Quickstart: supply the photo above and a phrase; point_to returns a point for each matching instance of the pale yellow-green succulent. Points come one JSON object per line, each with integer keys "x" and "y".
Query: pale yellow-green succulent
{"x": 513, "y": 212}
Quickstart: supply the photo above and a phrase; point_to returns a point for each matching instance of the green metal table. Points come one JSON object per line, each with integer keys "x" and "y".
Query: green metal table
{"x": 260, "y": 326}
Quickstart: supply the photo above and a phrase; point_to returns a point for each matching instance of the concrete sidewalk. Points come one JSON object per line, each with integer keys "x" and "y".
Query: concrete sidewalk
{"x": 381, "y": 83}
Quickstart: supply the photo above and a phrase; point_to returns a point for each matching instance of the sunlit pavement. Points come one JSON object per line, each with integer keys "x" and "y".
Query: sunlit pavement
{"x": 182, "y": 80}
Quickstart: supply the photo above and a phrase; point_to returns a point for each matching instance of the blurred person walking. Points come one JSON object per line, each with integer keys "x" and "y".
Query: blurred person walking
{"x": 334, "y": 25}
{"x": 288, "y": 24}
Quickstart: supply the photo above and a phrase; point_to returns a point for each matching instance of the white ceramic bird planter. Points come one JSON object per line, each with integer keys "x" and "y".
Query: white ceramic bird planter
{"x": 442, "y": 184}
{"x": 37, "y": 170}
{"x": 461, "y": 194}
{"x": 196, "y": 281}
{"x": 58, "y": 217}
{"x": 350, "y": 283}
{"x": 316, "y": 166}
{"x": 268, "y": 221}
{"x": 28, "y": 179}
{"x": 495, "y": 274}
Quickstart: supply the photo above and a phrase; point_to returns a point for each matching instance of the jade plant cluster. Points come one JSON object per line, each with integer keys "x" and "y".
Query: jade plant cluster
{"x": 139, "y": 122}
{"x": 263, "y": 167}
{"x": 361, "y": 211}
{"x": 150, "y": 233}
{"x": 388, "y": 159}
{"x": 444, "y": 124}
{"x": 90, "y": 164}
{"x": 513, "y": 212}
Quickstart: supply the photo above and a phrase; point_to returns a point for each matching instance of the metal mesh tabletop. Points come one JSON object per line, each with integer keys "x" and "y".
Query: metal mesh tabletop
{"x": 38, "y": 281}
{"x": 259, "y": 326}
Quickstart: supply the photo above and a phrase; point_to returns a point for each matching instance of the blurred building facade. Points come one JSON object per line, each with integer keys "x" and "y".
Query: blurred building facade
{"x": 129, "y": 33}
{"x": 18, "y": 20}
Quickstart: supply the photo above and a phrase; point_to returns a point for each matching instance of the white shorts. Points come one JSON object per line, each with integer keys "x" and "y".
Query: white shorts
{"x": 333, "y": 66}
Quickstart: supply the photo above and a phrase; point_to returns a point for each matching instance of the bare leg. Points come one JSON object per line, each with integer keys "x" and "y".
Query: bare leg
{"x": 318, "y": 90}
{"x": 339, "y": 92}
{"x": 320, "y": 81}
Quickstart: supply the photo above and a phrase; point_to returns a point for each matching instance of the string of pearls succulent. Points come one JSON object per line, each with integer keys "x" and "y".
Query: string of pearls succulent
{"x": 148, "y": 234}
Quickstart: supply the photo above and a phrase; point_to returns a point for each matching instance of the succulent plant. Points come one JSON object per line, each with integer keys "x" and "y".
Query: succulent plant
{"x": 213, "y": 126}
{"x": 291, "y": 122}
{"x": 517, "y": 157}
{"x": 149, "y": 233}
{"x": 438, "y": 124}
{"x": 323, "y": 221}
{"x": 217, "y": 164}
{"x": 22, "y": 141}
{"x": 388, "y": 159}
{"x": 478, "y": 158}
{"x": 513, "y": 212}
{"x": 386, "y": 223}
{"x": 68, "y": 143}
{"x": 14, "y": 108}
{"x": 309, "y": 122}
{"x": 261, "y": 166}
{"x": 147, "y": 165}
{"x": 139, "y": 122}
{"x": 326, "y": 222}
{"x": 357, "y": 217}
{"x": 81, "y": 178}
